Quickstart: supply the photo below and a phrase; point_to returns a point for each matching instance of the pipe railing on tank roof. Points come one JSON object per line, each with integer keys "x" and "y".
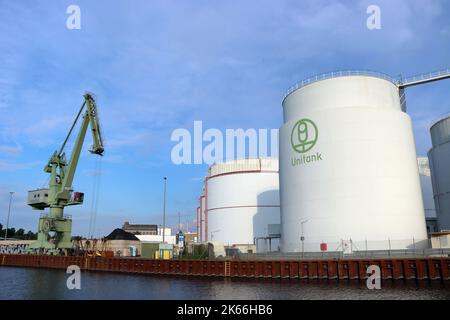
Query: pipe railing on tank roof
{"x": 336, "y": 74}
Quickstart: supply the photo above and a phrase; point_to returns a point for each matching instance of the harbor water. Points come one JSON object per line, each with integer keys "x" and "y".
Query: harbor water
{"x": 29, "y": 283}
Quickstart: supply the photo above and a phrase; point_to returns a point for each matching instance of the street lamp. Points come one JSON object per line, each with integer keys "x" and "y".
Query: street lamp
{"x": 164, "y": 211}
{"x": 9, "y": 211}
{"x": 302, "y": 237}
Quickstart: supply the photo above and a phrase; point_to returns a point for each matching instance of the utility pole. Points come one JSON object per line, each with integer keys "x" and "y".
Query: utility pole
{"x": 179, "y": 221}
{"x": 9, "y": 211}
{"x": 302, "y": 236}
{"x": 164, "y": 211}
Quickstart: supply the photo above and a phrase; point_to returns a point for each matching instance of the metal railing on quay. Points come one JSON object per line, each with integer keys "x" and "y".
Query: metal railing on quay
{"x": 375, "y": 254}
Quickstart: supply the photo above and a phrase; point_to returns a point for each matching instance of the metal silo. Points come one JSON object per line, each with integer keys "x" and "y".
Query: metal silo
{"x": 242, "y": 200}
{"x": 348, "y": 168}
{"x": 439, "y": 157}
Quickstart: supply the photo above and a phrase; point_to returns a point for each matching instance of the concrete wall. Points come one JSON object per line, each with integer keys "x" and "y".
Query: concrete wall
{"x": 118, "y": 245}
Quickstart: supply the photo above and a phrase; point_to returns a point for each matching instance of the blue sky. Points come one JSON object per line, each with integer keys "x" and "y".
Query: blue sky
{"x": 159, "y": 65}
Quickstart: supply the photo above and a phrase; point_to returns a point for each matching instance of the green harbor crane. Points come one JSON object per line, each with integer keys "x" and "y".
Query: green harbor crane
{"x": 55, "y": 228}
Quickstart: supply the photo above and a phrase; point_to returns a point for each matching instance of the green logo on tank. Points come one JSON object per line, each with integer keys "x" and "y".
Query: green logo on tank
{"x": 304, "y": 135}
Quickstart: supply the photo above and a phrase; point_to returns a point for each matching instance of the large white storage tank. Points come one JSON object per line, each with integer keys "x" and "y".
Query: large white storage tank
{"x": 348, "y": 168}
{"x": 439, "y": 157}
{"x": 242, "y": 200}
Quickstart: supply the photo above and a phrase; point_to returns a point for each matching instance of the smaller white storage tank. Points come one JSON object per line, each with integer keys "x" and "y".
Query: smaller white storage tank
{"x": 203, "y": 221}
{"x": 427, "y": 188}
{"x": 427, "y": 194}
{"x": 439, "y": 157}
{"x": 242, "y": 201}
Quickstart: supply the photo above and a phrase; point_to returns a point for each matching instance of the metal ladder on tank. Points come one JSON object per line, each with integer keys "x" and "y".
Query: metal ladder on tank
{"x": 227, "y": 266}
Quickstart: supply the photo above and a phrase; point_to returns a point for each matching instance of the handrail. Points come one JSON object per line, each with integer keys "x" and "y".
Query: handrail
{"x": 336, "y": 74}
{"x": 46, "y": 215}
{"x": 426, "y": 76}
{"x": 400, "y": 81}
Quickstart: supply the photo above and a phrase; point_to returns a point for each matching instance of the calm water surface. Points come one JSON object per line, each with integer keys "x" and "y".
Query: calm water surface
{"x": 27, "y": 283}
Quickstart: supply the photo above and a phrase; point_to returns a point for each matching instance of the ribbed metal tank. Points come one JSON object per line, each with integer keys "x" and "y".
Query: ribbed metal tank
{"x": 242, "y": 200}
{"x": 348, "y": 168}
{"x": 439, "y": 157}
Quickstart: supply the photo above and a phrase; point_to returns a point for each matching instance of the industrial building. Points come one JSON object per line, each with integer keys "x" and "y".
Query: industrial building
{"x": 240, "y": 204}
{"x": 158, "y": 238}
{"x": 143, "y": 229}
{"x": 190, "y": 237}
{"x": 364, "y": 184}
{"x": 439, "y": 157}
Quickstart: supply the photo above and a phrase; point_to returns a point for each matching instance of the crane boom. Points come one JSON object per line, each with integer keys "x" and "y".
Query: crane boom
{"x": 54, "y": 229}
{"x": 90, "y": 117}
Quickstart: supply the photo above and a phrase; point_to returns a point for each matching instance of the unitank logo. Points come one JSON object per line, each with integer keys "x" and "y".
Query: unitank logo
{"x": 304, "y": 135}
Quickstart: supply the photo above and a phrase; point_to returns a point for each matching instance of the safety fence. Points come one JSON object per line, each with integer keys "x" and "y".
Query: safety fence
{"x": 388, "y": 248}
{"x": 354, "y": 269}
{"x": 372, "y": 254}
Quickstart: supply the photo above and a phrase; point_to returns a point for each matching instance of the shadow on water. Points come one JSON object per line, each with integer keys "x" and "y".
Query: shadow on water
{"x": 24, "y": 283}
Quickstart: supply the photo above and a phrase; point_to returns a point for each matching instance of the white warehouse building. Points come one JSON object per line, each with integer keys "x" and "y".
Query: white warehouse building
{"x": 240, "y": 204}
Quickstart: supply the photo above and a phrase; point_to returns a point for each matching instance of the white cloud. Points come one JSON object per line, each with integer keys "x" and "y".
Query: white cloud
{"x": 9, "y": 166}
{"x": 10, "y": 150}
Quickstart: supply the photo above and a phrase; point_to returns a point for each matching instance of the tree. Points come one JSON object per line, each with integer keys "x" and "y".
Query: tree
{"x": 20, "y": 234}
{"x": 31, "y": 236}
{"x": 11, "y": 232}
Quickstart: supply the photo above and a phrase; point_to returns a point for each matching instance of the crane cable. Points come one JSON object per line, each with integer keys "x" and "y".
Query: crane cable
{"x": 95, "y": 196}
{"x": 97, "y": 193}
{"x": 46, "y": 183}
{"x": 94, "y": 199}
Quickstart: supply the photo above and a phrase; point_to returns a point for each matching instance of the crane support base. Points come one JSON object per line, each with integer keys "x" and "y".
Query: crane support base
{"x": 54, "y": 236}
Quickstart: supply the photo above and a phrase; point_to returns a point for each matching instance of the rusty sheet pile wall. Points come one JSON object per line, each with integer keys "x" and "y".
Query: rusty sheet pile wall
{"x": 420, "y": 269}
